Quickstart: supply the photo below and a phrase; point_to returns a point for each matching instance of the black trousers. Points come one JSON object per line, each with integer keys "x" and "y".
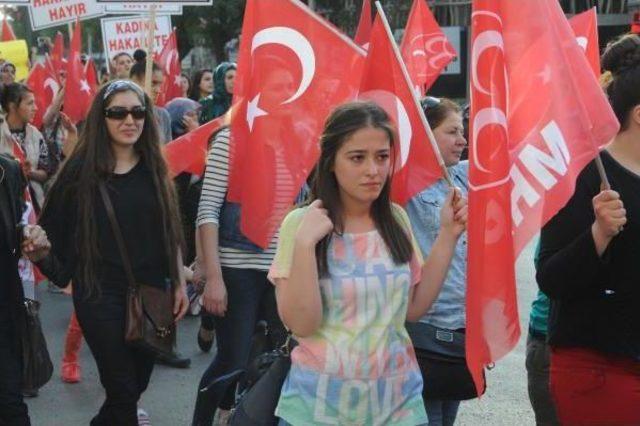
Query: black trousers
{"x": 13, "y": 410}
{"x": 124, "y": 371}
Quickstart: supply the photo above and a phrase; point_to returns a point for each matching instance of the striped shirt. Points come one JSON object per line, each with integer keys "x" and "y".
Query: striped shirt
{"x": 214, "y": 191}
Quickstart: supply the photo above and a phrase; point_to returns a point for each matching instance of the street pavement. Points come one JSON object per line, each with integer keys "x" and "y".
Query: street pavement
{"x": 170, "y": 397}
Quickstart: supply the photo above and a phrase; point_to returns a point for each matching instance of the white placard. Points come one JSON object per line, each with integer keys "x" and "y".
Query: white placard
{"x": 128, "y": 34}
{"x": 184, "y": 2}
{"x": 51, "y": 13}
{"x": 165, "y": 8}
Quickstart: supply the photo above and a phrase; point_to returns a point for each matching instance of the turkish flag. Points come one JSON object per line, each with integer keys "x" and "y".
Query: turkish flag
{"x": 7, "y": 31}
{"x": 363, "y": 32}
{"x": 36, "y": 82}
{"x": 383, "y": 81}
{"x": 92, "y": 75}
{"x": 425, "y": 49}
{"x": 56, "y": 58}
{"x": 169, "y": 61}
{"x": 538, "y": 116}
{"x": 585, "y": 28}
{"x": 78, "y": 94}
{"x": 188, "y": 153}
{"x": 293, "y": 69}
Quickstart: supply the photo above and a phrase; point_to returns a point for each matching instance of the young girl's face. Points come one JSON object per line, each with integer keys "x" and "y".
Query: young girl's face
{"x": 362, "y": 165}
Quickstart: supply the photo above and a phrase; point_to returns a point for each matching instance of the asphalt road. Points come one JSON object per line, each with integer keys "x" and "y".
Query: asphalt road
{"x": 171, "y": 394}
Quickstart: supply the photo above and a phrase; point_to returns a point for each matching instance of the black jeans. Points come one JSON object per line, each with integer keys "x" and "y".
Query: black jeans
{"x": 251, "y": 297}
{"x": 13, "y": 410}
{"x": 124, "y": 371}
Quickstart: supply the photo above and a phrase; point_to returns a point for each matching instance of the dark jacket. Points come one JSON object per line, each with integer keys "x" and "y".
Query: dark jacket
{"x": 216, "y": 104}
{"x": 594, "y": 299}
{"x": 12, "y": 186}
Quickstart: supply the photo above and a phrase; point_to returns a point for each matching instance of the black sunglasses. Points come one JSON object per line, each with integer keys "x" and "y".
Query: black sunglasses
{"x": 120, "y": 113}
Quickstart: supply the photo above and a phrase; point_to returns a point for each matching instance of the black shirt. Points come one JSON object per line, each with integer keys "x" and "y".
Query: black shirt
{"x": 595, "y": 301}
{"x": 137, "y": 209}
{"x": 6, "y": 263}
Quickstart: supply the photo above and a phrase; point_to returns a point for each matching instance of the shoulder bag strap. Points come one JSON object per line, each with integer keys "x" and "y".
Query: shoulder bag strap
{"x": 118, "y": 236}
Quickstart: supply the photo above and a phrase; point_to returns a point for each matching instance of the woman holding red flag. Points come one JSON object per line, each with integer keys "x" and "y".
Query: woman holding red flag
{"x": 589, "y": 268}
{"x": 348, "y": 274}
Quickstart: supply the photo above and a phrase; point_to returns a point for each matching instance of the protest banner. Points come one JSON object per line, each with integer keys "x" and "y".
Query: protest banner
{"x": 51, "y": 13}
{"x": 122, "y": 34}
{"x": 137, "y": 8}
{"x": 181, "y": 2}
{"x": 17, "y": 53}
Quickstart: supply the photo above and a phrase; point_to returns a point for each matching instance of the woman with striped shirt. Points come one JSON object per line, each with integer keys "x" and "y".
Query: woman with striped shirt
{"x": 237, "y": 291}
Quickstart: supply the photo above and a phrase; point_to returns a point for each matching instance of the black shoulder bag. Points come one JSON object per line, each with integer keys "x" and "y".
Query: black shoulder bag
{"x": 149, "y": 322}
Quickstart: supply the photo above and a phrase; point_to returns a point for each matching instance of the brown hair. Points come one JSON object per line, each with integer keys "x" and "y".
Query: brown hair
{"x": 621, "y": 59}
{"x": 436, "y": 110}
{"x": 341, "y": 124}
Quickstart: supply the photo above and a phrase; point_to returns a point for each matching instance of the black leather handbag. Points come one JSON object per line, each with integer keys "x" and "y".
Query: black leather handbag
{"x": 441, "y": 356}
{"x": 264, "y": 378}
{"x": 37, "y": 367}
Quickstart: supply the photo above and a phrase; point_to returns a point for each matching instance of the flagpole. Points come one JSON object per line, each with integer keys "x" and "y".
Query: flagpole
{"x": 602, "y": 172}
{"x": 403, "y": 67}
{"x": 149, "y": 65}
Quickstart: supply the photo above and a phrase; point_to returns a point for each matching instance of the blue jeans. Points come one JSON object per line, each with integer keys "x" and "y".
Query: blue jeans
{"x": 441, "y": 413}
{"x": 250, "y": 298}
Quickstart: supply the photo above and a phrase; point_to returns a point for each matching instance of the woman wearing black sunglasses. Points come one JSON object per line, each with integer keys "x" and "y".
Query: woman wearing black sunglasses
{"x": 118, "y": 148}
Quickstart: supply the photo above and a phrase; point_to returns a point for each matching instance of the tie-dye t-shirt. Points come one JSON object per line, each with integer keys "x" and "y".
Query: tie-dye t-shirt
{"x": 359, "y": 368}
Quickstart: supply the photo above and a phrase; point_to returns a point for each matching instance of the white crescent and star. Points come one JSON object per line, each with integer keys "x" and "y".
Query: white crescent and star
{"x": 582, "y": 42}
{"x": 390, "y": 102}
{"x": 300, "y": 46}
{"x": 84, "y": 86}
{"x": 167, "y": 65}
{"x": 52, "y": 84}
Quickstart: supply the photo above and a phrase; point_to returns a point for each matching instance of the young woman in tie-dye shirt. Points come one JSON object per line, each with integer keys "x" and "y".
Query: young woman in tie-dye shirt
{"x": 348, "y": 274}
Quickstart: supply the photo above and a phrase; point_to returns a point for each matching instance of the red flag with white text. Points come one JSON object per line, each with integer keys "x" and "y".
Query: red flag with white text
{"x": 383, "y": 81}
{"x": 78, "y": 94}
{"x": 425, "y": 48}
{"x": 538, "y": 116}
{"x": 169, "y": 61}
{"x": 293, "y": 69}
{"x": 363, "y": 32}
{"x": 585, "y": 28}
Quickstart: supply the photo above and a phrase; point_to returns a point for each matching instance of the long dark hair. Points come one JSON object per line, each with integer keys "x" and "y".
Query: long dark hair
{"x": 93, "y": 162}
{"x": 341, "y": 124}
{"x": 621, "y": 61}
{"x": 194, "y": 90}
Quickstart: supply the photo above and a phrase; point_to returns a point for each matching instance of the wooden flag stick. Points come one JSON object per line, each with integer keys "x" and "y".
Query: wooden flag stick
{"x": 432, "y": 138}
{"x": 603, "y": 174}
{"x": 151, "y": 35}
{"x": 70, "y": 29}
